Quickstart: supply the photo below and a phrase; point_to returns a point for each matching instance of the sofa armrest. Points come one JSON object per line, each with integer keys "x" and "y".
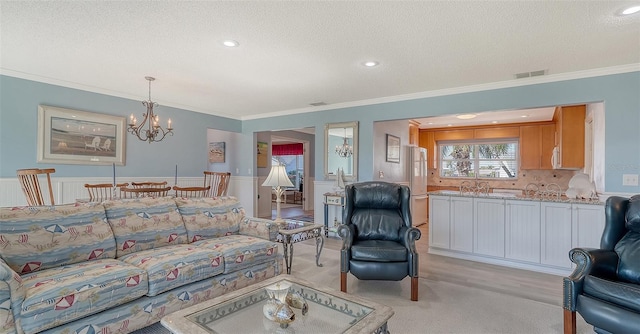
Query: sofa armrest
{"x": 12, "y": 294}
{"x": 259, "y": 227}
{"x": 589, "y": 261}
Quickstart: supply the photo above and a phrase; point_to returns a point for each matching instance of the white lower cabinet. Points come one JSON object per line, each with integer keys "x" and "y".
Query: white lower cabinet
{"x": 522, "y": 230}
{"x": 439, "y": 221}
{"x": 461, "y": 214}
{"x": 588, "y": 222}
{"x": 489, "y": 226}
{"x": 528, "y": 234}
{"x": 557, "y": 236}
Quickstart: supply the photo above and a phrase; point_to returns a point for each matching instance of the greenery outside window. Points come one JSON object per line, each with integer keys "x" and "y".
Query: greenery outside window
{"x": 479, "y": 159}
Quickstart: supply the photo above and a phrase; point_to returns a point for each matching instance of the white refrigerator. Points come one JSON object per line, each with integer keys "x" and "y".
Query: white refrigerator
{"x": 417, "y": 161}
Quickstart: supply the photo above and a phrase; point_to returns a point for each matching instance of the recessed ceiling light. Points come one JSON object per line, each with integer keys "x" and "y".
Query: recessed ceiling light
{"x": 631, "y": 10}
{"x": 449, "y": 125}
{"x": 466, "y": 116}
{"x": 524, "y": 116}
{"x": 430, "y": 123}
{"x": 371, "y": 63}
{"x": 230, "y": 43}
{"x": 494, "y": 122}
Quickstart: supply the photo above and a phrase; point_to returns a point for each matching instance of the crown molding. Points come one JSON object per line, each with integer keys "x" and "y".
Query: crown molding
{"x": 460, "y": 90}
{"x": 397, "y": 98}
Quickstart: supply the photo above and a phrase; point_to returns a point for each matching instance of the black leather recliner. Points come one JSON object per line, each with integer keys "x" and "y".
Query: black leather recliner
{"x": 378, "y": 241}
{"x": 605, "y": 285}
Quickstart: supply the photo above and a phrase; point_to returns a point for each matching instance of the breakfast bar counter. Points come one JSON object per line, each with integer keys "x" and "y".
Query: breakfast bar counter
{"x": 513, "y": 230}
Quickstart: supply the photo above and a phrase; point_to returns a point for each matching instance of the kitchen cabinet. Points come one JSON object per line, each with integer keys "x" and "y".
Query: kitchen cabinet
{"x": 588, "y": 222}
{"x": 414, "y": 133}
{"x": 522, "y": 230}
{"x": 520, "y": 233}
{"x": 488, "y": 226}
{"x": 453, "y": 135}
{"x": 461, "y": 224}
{"x": 496, "y": 132}
{"x": 569, "y": 137}
{"x": 427, "y": 141}
{"x": 536, "y": 146}
{"x": 439, "y": 217}
{"x": 556, "y": 232}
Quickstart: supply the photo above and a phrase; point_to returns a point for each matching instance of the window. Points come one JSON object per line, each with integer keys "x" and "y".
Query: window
{"x": 487, "y": 160}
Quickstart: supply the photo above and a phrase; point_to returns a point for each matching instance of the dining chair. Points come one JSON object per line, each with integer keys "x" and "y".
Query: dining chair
{"x": 191, "y": 191}
{"x": 30, "y": 184}
{"x": 144, "y": 192}
{"x": 218, "y": 181}
{"x": 103, "y": 191}
{"x": 148, "y": 184}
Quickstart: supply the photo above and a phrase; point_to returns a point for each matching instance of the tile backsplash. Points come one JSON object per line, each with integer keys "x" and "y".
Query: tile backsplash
{"x": 543, "y": 177}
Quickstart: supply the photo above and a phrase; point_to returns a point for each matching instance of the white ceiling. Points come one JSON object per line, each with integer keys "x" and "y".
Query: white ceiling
{"x": 292, "y": 54}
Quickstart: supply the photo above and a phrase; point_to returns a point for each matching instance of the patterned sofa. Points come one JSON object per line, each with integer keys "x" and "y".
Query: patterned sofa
{"x": 121, "y": 265}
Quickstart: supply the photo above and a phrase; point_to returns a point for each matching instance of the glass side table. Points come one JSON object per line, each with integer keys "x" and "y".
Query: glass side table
{"x": 295, "y": 231}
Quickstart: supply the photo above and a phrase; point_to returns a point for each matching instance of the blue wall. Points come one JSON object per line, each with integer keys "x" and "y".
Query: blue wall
{"x": 619, "y": 92}
{"x": 19, "y": 100}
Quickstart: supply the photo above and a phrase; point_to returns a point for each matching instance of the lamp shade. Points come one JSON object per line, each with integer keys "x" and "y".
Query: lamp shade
{"x": 277, "y": 177}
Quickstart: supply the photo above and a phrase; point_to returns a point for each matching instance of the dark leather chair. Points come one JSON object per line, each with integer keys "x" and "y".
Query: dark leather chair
{"x": 378, "y": 241}
{"x": 605, "y": 285}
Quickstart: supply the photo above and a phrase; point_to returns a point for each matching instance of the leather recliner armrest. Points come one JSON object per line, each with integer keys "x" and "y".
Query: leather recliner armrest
{"x": 589, "y": 261}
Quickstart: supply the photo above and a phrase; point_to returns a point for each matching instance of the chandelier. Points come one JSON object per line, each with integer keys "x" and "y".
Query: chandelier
{"x": 345, "y": 150}
{"x": 153, "y": 131}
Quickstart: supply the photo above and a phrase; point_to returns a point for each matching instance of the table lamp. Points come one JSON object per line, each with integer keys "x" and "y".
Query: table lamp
{"x": 277, "y": 179}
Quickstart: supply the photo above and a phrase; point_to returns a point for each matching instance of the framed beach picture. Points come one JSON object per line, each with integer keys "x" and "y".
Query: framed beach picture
{"x": 216, "y": 152}
{"x": 67, "y": 136}
{"x": 261, "y": 160}
{"x": 393, "y": 148}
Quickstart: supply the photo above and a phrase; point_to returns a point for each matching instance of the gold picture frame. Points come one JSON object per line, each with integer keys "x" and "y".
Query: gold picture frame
{"x": 67, "y": 136}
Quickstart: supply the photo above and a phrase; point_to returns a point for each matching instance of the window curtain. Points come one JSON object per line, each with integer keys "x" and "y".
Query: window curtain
{"x": 287, "y": 149}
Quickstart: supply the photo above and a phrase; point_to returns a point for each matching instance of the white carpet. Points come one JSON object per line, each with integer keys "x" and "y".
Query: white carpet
{"x": 442, "y": 307}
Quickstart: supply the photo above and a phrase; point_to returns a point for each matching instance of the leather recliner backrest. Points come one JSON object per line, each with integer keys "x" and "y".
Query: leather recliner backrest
{"x": 378, "y": 210}
{"x": 628, "y": 248}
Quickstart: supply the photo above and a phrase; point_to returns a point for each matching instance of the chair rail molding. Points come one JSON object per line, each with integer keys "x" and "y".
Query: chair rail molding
{"x": 67, "y": 189}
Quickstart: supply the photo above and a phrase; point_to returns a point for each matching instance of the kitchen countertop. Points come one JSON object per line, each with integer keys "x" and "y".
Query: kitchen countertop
{"x": 511, "y": 196}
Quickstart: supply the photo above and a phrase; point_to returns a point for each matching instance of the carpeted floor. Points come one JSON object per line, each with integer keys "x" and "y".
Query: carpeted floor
{"x": 442, "y": 307}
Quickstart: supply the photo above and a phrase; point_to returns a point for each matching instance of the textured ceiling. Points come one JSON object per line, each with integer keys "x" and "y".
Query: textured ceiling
{"x": 292, "y": 54}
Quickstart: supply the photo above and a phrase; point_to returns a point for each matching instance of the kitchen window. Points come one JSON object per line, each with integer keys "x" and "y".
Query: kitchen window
{"x": 479, "y": 159}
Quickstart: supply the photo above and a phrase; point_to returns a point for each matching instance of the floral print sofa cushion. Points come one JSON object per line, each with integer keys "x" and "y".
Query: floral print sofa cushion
{"x": 63, "y": 294}
{"x": 37, "y": 238}
{"x": 206, "y": 218}
{"x": 144, "y": 223}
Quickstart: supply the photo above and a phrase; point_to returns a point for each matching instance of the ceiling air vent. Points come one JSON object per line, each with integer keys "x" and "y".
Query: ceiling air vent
{"x": 530, "y": 74}
{"x": 317, "y": 104}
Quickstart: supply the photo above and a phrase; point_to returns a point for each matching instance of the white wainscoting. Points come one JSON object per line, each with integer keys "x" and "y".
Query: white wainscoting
{"x": 68, "y": 189}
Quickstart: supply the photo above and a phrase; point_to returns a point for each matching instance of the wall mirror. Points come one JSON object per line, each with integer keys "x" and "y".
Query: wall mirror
{"x": 341, "y": 150}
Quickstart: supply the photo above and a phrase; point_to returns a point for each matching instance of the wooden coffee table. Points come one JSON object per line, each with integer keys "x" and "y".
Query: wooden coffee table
{"x": 330, "y": 311}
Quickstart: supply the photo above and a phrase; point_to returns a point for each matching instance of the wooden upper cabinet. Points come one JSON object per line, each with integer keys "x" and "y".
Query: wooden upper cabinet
{"x": 427, "y": 141}
{"x": 569, "y": 122}
{"x": 453, "y": 135}
{"x": 548, "y": 143}
{"x": 536, "y": 146}
{"x": 414, "y": 133}
{"x": 497, "y": 132}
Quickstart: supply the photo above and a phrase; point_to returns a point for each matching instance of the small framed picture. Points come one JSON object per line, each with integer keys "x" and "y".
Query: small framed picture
{"x": 216, "y": 152}
{"x": 393, "y": 148}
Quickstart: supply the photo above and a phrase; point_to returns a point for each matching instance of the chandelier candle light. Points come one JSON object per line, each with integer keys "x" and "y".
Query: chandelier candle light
{"x": 153, "y": 132}
{"x": 345, "y": 150}
{"x": 277, "y": 179}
